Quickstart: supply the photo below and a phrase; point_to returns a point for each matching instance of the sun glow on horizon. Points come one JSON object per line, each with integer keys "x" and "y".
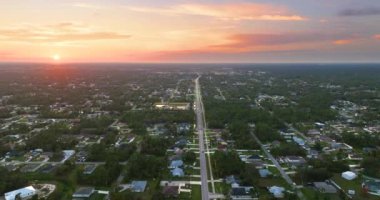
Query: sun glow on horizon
{"x": 56, "y": 57}
{"x": 188, "y": 31}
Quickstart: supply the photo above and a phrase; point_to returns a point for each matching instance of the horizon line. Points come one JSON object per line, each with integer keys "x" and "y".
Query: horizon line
{"x": 189, "y": 63}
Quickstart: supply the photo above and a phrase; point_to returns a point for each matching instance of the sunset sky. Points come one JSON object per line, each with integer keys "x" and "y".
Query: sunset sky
{"x": 190, "y": 31}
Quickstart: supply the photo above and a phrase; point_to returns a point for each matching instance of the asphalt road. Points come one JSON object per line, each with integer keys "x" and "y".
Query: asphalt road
{"x": 200, "y": 129}
{"x": 282, "y": 172}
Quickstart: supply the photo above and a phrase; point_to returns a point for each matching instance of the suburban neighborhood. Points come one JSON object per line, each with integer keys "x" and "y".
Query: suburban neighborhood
{"x": 238, "y": 133}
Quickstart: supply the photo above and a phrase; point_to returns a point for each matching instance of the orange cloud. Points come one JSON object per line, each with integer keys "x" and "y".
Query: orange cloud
{"x": 240, "y": 11}
{"x": 342, "y": 42}
{"x": 204, "y": 54}
{"x": 254, "y": 43}
{"x": 377, "y": 36}
{"x": 254, "y": 40}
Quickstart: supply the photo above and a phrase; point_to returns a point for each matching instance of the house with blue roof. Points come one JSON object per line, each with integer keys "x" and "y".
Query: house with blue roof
{"x": 178, "y": 172}
{"x": 264, "y": 173}
{"x": 299, "y": 141}
{"x": 176, "y": 164}
{"x": 138, "y": 186}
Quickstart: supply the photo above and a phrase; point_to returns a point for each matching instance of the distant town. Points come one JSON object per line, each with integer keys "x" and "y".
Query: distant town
{"x": 238, "y": 131}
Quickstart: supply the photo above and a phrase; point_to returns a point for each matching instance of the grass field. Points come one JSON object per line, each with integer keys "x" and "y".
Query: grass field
{"x": 196, "y": 192}
{"x": 353, "y": 185}
{"x": 312, "y": 194}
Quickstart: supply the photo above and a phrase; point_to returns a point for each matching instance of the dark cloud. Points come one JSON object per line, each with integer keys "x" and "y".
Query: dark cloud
{"x": 360, "y": 12}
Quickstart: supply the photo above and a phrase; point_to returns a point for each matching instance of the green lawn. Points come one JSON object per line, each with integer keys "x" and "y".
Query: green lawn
{"x": 18, "y": 158}
{"x": 222, "y": 188}
{"x": 352, "y": 185}
{"x": 274, "y": 170}
{"x": 97, "y": 196}
{"x": 313, "y": 194}
{"x": 196, "y": 192}
{"x": 277, "y": 181}
{"x": 191, "y": 171}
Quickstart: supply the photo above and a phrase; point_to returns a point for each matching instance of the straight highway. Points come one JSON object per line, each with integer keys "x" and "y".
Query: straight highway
{"x": 201, "y": 130}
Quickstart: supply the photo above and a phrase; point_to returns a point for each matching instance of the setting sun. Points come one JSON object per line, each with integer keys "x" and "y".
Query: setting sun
{"x": 56, "y": 57}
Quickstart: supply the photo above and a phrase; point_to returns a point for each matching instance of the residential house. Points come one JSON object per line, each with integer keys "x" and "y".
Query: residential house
{"x": 183, "y": 128}
{"x": 264, "y": 173}
{"x": 313, "y": 133}
{"x": 178, "y": 172}
{"x": 312, "y": 154}
{"x": 319, "y": 124}
{"x": 295, "y": 160}
{"x": 299, "y": 141}
{"x": 175, "y": 164}
{"x": 341, "y": 146}
{"x": 278, "y": 192}
{"x": 372, "y": 187}
{"x": 89, "y": 169}
{"x": 259, "y": 164}
{"x": 231, "y": 179}
{"x": 253, "y": 158}
{"x": 325, "y": 187}
{"x": 157, "y": 129}
{"x": 23, "y": 193}
{"x": 138, "y": 186}
{"x": 172, "y": 106}
{"x": 354, "y": 157}
{"x": 287, "y": 135}
{"x": 81, "y": 156}
{"x": 83, "y": 193}
{"x": 170, "y": 191}
{"x": 349, "y": 175}
{"x": 241, "y": 193}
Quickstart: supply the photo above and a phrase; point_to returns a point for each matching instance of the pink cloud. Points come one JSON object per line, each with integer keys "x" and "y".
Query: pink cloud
{"x": 377, "y": 36}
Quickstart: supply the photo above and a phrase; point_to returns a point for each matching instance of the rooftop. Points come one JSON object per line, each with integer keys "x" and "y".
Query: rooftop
{"x": 325, "y": 187}
{"x": 138, "y": 186}
{"x": 23, "y": 192}
{"x": 84, "y": 192}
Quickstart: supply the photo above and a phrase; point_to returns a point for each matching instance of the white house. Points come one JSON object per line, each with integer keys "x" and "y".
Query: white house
{"x": 23, "y": 193}
{"x": 348, "y": 175}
